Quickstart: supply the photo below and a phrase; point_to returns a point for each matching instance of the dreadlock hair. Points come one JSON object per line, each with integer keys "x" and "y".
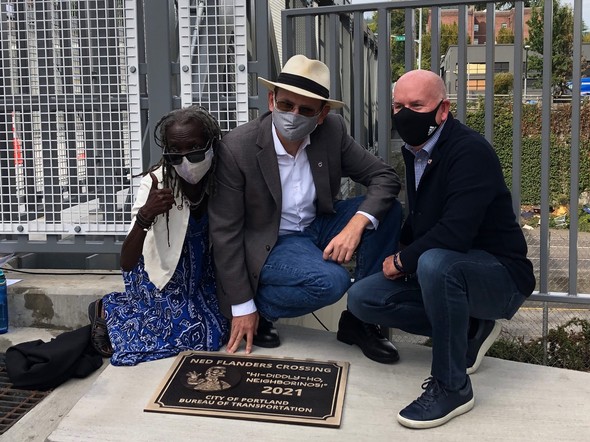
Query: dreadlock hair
{"x": 194, "y": 114}
{"x": 211, "y": 130}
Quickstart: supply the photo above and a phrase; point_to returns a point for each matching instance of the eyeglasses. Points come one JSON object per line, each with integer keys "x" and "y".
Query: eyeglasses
{"x": 194, "y": 156}
{"x": 286, "y": 106}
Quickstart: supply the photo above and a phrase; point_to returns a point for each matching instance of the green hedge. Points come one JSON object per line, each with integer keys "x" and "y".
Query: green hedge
{"x": 559, "y": 151}
{"x": 566, "y": 346}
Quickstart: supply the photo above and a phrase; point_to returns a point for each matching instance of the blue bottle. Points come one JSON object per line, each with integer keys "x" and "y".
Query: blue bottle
{"x": 3, "y": 304}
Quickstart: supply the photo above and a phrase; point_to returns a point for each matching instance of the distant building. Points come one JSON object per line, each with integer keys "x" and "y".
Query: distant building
{"x": 476, "y": 66}
{"x": 476, "y": 22}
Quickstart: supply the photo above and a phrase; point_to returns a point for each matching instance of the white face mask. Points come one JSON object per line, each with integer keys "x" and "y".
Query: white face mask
{"x": 293, "y": 127}
{"x": 193, "y": 172}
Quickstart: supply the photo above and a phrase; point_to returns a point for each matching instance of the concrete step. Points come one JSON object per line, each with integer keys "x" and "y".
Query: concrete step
{"x": 57, "y": 299}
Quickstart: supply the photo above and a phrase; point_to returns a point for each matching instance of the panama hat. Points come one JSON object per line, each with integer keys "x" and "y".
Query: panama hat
{"x": 303, "y": 76}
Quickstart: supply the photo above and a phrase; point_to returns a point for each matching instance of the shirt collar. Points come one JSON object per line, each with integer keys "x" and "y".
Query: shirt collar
{"x": 429, "y": 145}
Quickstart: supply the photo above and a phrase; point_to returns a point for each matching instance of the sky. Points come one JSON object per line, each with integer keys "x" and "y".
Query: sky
{"x": 585, "y": 8}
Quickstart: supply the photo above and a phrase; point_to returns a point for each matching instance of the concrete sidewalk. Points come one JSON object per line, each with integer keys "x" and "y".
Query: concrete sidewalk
{"x": 514, "y": 401}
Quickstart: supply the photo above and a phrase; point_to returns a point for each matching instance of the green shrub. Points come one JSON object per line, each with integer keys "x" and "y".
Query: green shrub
{"x": 567, "y": 346}
{"x": 530, "y": 155}
{"x": 503, "y": 83}
{"x": 584, "y": 221}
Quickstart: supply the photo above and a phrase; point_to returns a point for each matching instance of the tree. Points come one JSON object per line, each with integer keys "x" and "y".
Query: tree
{"x": 503, "y": 83}
{"x": 397, "y": 47}
{"x": 398, "y": 66}
{"x": 562, "y": 49}
{"x": 505, "y": 36}
{"x": 426, "y": 50}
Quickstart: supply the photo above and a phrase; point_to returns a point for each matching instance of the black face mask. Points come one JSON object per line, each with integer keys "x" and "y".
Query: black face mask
{"x": 416, "y": 128}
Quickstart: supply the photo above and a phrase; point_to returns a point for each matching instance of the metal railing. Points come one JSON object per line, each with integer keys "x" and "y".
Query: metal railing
{"x": 81, "y": 86}
{"x": 350, "y": 78}
{"x": 561, "y": 257}
{"x": 80, "y": 80}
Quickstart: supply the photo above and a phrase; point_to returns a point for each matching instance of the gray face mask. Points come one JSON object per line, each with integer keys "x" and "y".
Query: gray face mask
{"x": 193, "y": 172}
{"x": 293, "y": 127}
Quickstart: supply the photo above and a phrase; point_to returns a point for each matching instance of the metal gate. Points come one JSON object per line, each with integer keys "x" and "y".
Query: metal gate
{"x": 76, "y": 97}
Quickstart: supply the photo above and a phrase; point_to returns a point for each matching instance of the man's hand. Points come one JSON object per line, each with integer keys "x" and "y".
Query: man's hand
{"x": 242, "y": 326}
{"x": 389, "y": 270}
{"x": 343, "y": 245}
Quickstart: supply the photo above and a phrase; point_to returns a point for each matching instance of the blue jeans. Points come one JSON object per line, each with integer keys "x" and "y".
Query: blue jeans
{"x": 296, "y": 280}
{"x": 449, "y": 288}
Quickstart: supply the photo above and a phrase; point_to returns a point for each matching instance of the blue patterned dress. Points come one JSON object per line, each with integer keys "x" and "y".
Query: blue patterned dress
{"x": 145, "y": 323}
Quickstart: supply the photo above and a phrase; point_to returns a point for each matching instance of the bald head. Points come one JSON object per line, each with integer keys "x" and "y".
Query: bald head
{"x": 421, "y": 91}
{"x": 419, "y": 105}
{"x": 424, "y": 84}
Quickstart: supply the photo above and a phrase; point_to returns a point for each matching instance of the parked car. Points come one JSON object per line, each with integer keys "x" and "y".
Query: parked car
{"x": 584, "y": 86}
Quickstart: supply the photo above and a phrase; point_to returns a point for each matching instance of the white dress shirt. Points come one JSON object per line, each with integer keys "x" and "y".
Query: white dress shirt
{"x": 299, "y": 195}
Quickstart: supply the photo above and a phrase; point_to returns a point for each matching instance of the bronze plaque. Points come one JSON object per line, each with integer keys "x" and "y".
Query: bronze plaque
{"x": 297, "y": 391}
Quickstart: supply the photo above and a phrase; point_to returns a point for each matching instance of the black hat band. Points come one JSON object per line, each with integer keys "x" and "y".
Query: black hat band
{"x": 304, "y": 83}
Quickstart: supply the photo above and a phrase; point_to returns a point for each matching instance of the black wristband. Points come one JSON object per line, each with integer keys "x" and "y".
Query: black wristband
{"x": 143, "y": 222}
{"x": 396, "y": 263}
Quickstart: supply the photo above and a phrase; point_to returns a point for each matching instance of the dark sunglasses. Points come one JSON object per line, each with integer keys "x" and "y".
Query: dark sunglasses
{"x": 285, "y": 106}
{"x": 194, "y": 156}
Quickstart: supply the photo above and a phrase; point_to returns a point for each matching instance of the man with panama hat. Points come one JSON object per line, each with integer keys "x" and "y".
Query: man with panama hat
{"x": 279, "y": 233}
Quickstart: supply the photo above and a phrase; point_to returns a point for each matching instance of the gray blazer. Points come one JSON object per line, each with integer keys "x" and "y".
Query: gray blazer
{"x": 245, "y": 208}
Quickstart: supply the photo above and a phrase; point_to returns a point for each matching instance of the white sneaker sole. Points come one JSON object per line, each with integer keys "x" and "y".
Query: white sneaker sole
{"x": 485, "y": 347}
{"x": 437, "y": 422}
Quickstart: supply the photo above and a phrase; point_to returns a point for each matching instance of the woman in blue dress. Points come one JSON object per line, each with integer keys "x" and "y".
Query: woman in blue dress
{"x": 169, "y": 304}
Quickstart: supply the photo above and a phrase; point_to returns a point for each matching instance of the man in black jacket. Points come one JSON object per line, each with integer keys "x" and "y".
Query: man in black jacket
{"x": 462, "y": 261}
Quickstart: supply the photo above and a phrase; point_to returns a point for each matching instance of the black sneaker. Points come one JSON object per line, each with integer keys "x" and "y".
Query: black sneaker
{"x": 368, "y": 337}
{"x": 437, "y": 405}
{"x": 485, "y": 335}
{"x": 266, "y": 335}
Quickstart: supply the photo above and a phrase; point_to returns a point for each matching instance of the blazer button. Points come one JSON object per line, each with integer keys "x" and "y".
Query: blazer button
{"x": 267, "y": 248}
{"x": 254, "y": 275}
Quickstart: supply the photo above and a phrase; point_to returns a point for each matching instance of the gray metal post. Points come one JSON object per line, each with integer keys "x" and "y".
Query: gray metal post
{"x": 575, "y": 150}
{"x": 358, "y": 79}
{"x": 462, "y": 87}
{"x": 384, "y": 84}
{"x": 409, "y": 28}
{"x": 490, "y": 60}
{"x": 159, "y": 18}
{"x": 545, "y": 147}
{"x": 517, "y": 109}
{"x": 435, "y": 39}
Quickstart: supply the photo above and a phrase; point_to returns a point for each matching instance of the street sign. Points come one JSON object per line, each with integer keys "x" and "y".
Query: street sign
{"x": 399, "y": 37}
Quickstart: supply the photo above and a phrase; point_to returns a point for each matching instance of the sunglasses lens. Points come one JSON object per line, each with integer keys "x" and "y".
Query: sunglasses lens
{"x": 173, "y": 158}
{"x": 307, "y": 112}
{"x": 284, "y": 106}
{"x": 196, "y": 156}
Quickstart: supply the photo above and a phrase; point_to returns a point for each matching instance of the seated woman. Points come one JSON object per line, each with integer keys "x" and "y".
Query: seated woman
{"x": 169, "y": 304}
